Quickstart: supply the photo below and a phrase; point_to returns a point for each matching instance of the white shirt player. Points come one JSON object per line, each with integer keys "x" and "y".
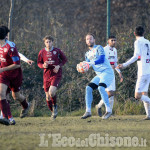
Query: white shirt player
{"x": 111, "y": 54}
{"x": 141, "y": 52}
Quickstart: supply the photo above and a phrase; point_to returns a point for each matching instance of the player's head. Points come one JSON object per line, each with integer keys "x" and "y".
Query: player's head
{"x": 48, "y": 41}
{"x": 6, "y": 30}
{"x": 112, "y": 41}
{"x": 2, "y": 33}
{"x": 139, "y": 31}
{"x": 90, "y": 40}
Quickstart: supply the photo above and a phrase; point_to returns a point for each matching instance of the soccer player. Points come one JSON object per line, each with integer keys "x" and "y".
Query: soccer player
{"x": 96, "y": 58}
{"x": 111, "y": 54}
{"x": 142, "y": 54}
{"x": 10, "y": 76}
{"x": 51, "y": 59}
{"x": 23, "y": 58}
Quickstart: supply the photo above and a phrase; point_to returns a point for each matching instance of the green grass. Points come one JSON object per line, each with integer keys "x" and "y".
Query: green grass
{"x": 25, "y": 134}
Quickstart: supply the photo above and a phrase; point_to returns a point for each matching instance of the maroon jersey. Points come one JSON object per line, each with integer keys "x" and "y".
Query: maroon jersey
{"x": 54, "y": 57}
{"x": 8, "y": 56}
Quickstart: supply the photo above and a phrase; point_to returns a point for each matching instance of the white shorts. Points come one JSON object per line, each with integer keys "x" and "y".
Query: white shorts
{"x": 112, "y": 86}
{"x": 142, "y": 83}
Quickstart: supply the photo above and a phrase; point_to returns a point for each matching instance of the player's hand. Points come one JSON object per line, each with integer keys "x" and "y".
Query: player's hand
{"x": 30, "y": 62}
{"x": 120, "y": 66}
{"x": 45, "y": 65}
{"x": 56, "y": 69}
{"x": 121, "y": 77}
{"x": 1, "y": 70}
{"x": 91, "y": 63}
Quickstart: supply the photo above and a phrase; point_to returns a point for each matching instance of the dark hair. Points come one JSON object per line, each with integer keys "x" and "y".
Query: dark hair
{"x": 139, "y": 31}
{"x": 111, "y": 37}
{"x": 91, "y": 35}
{"x": 48, "y": 37}
{"x": 2, "y": 33}
{"x": 6, "y": 29}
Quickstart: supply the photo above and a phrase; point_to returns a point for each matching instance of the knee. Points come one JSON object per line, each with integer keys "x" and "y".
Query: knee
{"x": 89, "y": 89}
{"x": 137, "y": 96}
{"x": 52, "y": 94}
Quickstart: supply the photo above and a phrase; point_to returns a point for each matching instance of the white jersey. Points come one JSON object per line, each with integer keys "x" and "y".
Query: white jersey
{"x": 111, "y": 54}
{"x": 142, "y": 49}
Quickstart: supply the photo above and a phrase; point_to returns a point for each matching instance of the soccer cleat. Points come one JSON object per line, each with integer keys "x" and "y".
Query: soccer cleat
{"x": 146, "y": 118}
{"x": 24, "y": 112}
{"x": 98, "y": 110}
{"x": 86, "y": 115}
{"x": 106, "y": 115}
{"x": 54, "y": 112}
{"x": 4, "y": 121}
{"x": 12, "y": 121}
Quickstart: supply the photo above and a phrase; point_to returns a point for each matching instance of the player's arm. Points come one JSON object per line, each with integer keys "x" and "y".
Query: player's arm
{"x": 40, "y": 62}
{"x": 25, "y": 59}
{"x": 134, "y": 58}
{"x": 101, "y": 57}
{"x": 11, "y": 67}
{"x": 63, "y": 59}
{"x": 13, "y": 53}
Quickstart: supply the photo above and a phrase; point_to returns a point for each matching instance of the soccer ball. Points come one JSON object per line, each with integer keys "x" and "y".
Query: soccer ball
{"x": 83, "y": 67}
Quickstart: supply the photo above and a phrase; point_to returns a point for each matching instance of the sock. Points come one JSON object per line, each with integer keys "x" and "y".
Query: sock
{"x": 3, "y": 107}
{"x": 111, "y": 101}
{"x": 100, "y": 104}
{"x": 1, "y": 115}
{"x": 147, "y": 108}
{"x": 145, "y": 98}
{"x": 50, "y": 105}
{"x": 53, "y": 99}
{"x": 8, "y": 110}
{"x": 24, "y": 104}
{"x": 105, "y": 99}
{"x": 88, "y": 98}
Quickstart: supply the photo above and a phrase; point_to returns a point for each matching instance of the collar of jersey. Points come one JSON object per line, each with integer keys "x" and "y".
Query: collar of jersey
{"x": 50, "y": 49}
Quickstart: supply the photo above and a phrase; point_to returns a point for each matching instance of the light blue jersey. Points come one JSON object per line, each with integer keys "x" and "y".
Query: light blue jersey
{"x": 105, "y": 75}
{"x": 93, "y": 55}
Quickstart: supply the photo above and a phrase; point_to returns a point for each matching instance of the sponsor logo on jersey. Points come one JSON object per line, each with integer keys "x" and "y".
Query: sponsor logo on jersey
{"x": 147, "y": 60}
{"x": 2, "y": 59}
{"x": 5, "y": 50}
{"x": 12, "y": 49}
{"x": 54, "y": 52}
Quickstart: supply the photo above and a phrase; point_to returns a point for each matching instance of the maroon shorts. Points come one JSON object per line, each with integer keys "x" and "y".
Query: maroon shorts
{"x": 13, "y": 83}
{"x": 53, "y": 81}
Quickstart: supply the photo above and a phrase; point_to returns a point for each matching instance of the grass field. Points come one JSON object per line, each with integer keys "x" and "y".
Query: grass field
{"x": 32, "y": 133}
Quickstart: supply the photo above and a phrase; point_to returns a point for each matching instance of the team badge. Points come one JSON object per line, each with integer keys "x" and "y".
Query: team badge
{"x": 12, "y": 49}
{"x": 54, "y": 52}
{"x": 5, "y": 49}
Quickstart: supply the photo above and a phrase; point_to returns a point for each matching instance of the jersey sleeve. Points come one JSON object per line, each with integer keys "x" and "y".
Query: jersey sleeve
{"x": 13, "y": 53}
{"x": 62, "y": 57}
{"x": 137, "y": 48}
{"x": 40, "y": 60}
{"x": 23, "y": 58}
{"x": 86, "y": 58}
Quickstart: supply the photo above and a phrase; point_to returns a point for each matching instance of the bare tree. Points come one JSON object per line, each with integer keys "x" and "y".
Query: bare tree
{"x": 10, "y": 19}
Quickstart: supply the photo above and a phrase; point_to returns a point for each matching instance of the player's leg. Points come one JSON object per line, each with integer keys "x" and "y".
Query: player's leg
{"x": 141, "y": 92}
{"x": 3, "y": 104}
{"x": 106, "y": 79}
{"x": 147, "y": 108}
{"x": 52, "y": 94}
{"x": 25, "y": 105}
{"x": 89, "y": 96}
{"x": 110, "y": 91}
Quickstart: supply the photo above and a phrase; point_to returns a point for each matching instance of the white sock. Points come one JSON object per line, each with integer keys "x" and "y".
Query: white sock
{"x": 111, "y": 101}
{"x": 108, "y": 109}
{"x": 100, "y": 104}
{"x": 1, "y": 115}
{"x": 147, "y": 108}
{"x": 145, "y": 98}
